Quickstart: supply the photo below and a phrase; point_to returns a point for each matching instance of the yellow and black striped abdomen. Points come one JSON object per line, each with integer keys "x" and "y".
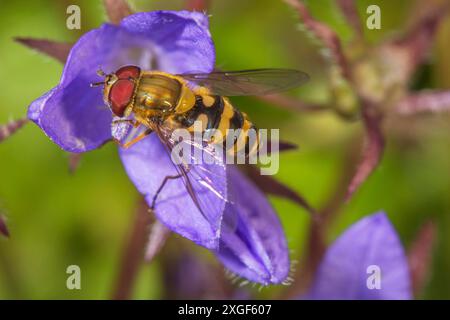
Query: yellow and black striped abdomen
{"x": 217, "y": 113}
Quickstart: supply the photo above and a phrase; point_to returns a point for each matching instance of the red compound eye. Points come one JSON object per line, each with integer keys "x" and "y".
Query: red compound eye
{"x": 120, "y": 96}
{"x": 128, "y": 72}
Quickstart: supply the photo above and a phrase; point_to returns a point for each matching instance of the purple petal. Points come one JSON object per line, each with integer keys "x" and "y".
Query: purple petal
{"x": 182, "y": 38}
{"x": 74, "y": 115}
{"x": 346, "y": 271}
{"x": 147, "y": 164}
{"x": 252, "y": 243}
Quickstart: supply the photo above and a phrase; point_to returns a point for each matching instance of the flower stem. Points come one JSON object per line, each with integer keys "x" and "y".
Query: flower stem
{"x": 133, "y": 253}
{"x": 9, "y": 129}
{"x": 116, "y": 10}
{"x": 197, "y": 5}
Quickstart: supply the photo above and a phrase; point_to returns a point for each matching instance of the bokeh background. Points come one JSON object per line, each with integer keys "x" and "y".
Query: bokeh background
{"x": 57, "y": 219}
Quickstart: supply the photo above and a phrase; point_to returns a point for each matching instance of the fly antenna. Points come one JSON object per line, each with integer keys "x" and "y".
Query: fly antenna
{"x": 101, "y": 73}
{"x": 96, "y": 84}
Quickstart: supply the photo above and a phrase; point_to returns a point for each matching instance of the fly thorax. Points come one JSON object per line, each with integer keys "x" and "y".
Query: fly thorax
{"x": 158, "y": 93}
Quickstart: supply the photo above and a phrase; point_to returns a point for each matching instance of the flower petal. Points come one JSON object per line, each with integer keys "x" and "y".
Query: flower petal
{"x": 182, "y": 39}
{"x": 252, "y": 243}
{"x": 74, "y": 115}
{"x": 349, "y": 264}
{"x": 147, "y": 164}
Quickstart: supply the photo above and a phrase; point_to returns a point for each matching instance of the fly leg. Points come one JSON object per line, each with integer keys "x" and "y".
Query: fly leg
{"x": 134, "y": 123}
{"x": 161, "y": 187}
{"x": 138, "y": 138}
{"x": 167, "y": 178}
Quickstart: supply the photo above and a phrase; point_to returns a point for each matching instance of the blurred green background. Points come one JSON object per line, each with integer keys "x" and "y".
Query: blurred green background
{"x": 57, "y": 219}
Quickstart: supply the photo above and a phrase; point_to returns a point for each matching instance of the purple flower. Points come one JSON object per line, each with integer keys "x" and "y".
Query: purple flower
{"x": 252, "y": 243}
{"x": 366, "y": 262}
{"x": 74, "y": 116}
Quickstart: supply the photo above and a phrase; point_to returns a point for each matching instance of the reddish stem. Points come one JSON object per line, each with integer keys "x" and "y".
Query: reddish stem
{"x": 133, "y": 253}
{"x": 197, "y": 5}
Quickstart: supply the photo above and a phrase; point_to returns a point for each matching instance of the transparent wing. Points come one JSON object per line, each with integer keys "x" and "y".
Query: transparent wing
{"x": 248, "y": 82}
{"x": 201, "y": 169}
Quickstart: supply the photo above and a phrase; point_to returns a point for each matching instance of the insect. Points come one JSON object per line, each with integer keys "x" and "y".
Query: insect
{"x": 163, "y": 102}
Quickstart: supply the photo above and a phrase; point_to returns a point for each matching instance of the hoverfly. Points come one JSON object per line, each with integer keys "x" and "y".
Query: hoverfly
{"x": 162, "y": 102}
